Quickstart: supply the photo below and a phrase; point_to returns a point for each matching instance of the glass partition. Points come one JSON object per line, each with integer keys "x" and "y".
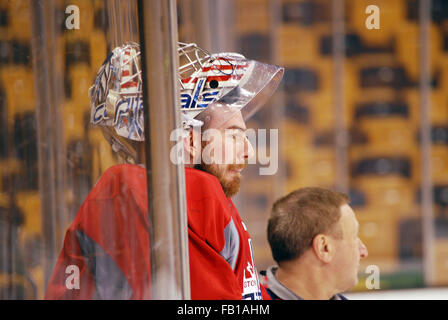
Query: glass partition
{"x": 58, "y": 171}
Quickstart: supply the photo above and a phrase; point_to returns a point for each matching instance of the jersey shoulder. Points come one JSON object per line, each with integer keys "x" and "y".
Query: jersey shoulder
{"x": 202, "y": 185}
{"x": 119, "y": 179}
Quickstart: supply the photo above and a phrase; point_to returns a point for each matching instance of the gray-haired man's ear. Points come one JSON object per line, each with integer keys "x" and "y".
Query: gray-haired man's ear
{"x": 323, "y": 248}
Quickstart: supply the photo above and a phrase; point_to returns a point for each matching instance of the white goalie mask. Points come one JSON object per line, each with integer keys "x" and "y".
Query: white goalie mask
{"x": 227, "y": 81}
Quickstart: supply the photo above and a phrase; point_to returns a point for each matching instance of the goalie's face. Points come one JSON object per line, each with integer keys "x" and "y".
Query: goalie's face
{"x": 226, "y": 151}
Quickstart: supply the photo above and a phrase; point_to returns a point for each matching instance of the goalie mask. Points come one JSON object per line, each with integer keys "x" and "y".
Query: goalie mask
{"x": 227, "y": 81}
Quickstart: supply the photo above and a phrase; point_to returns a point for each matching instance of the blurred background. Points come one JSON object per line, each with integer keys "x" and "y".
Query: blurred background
{"x": 360, "y": 110}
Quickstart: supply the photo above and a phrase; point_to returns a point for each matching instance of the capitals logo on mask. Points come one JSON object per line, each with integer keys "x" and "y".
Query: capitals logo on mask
{"x": 219, "y": 75}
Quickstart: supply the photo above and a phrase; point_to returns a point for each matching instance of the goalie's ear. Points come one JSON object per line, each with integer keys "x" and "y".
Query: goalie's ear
{"x": 192, "y": 145}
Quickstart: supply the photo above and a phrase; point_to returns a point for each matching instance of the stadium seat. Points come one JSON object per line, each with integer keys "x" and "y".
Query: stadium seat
{"x": 300, "y": 167}
{"x": 378, "y": 231}
{"x": 439, "y": 11}
{"x": 384, "y": 76}
{"x": 439, "y": 163}
{"x": 299, "y": 46}
{"x": 305, "y": 13}
{"x": 81, "y": 78}
{"x": 390, "y": 135}
{"x": 21, "y": 52}
{"x": 294, "y": 138}
{"x": 301, "y": 79}
{"x": 4, "y": 125}
{"x": 30, "y": 204}
{"x": 4, "y": 19}
{"x": 76, "y": 52}
{"x": 296, "y": 112}
{"x": 358, "y": 198}
{"x": 25, "y": 149}
{"x": 353, "y": 45}
{"x": 440, "y": 194}
{"x": 6, "y": 50}
{"x": 16, "y": 286}
{"x": 441, "y": 262}
{"x": 248, "y": 19}
{"x": 257, "y": 46}
{"x": 382, "y": 166}
{"x": 19, "y": 20}
{"x": 409, "y": 233}
{"x": 74, "y": 126}
{"x": 18, "y": 83}
{"x": 322, "y": 110}
{"x": 439, "y": 106}
{"x": 99, "y": 52}
{"x": 322, "y": 164}
{"x": 439, "y": 154}
{"x": 393, "y": 194}
{"x": 408, "y": 46}
{"x": 381, "y": 109}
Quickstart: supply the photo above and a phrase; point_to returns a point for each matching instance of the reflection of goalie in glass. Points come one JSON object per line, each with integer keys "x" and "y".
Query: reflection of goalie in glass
{"x": 108, "y": 241}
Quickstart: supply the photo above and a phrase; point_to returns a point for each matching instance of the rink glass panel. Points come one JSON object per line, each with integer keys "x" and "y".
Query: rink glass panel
{"x": 34, "y": 215}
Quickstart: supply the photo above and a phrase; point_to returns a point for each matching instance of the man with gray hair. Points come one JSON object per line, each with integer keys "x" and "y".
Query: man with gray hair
{"x": 313, "y": 234}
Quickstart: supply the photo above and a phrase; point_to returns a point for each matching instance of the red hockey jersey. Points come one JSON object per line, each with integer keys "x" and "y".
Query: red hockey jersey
{"x": 106, "y": 251}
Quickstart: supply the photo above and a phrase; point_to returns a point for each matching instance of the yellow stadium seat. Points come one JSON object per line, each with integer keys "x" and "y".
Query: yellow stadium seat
{"x": 19, "y": 88}
{"x": 442, "y": 66}
{"x": 323, "y": 164}
{"x": 392, "y": 194}
{"x": 98, "y": 50}
{"x": 389, "y": 134}
{"x": 299, "y": 46}
{"x": 22, "y": 286}
{"x": 312, "y": 166}
{"x": 19, "y": 14}
{"x": 74, "y": 126}
{"x": 321, "y": 106}
{"x": 30, "y": 204}
{"x": 9, "y": 166}
{"x": 37, "y": 275}
{"x": 81, "y": 78}
{"x": 379, "y": 233}
{"x": 441, "y": 262}
{"x": 293, "y": 136}
{"x": 439, "y": 164}
{"x": 322, "y": 102}
{"x": 94, "y": 134}
{"x": 408, "y": 46}
{"x": 252, "y": 16}
{"x": 439, "y": 106}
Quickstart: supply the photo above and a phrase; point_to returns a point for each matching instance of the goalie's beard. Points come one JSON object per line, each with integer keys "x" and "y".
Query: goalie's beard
{"x": 229, "y": 179}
